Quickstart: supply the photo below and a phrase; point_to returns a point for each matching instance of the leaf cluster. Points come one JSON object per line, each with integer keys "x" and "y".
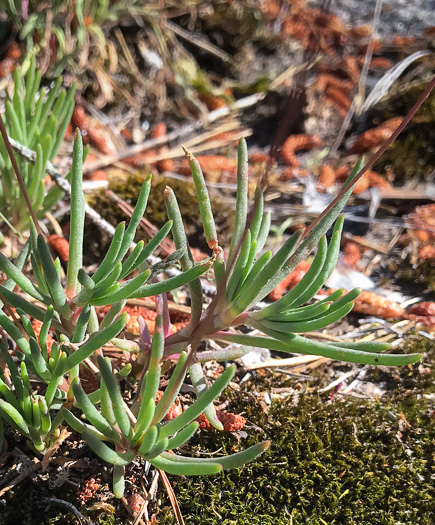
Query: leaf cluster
{"x": 40, "y": 126}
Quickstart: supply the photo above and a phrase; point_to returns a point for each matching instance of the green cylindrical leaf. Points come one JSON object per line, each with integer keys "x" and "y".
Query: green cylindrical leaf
{"x": 93, "y": 415}
{"x": 116, "y": 398}
{"x": 77, "y": 220}
{"x": 97, "y": 340}
{"x": 124, "y": 291}
{"x": 118, "y": 480}
{"x": 111, "y": 256}
{"x": 241, "y": 199}
{"x": 136, "y": 217}
{"x": 172, "y": 283}
{"x": 183, "y": 469}
{"x": 200, "y": 404}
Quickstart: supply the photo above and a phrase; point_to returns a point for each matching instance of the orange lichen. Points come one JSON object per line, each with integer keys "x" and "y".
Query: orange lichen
{"x": 68, "y": 131}
{"x": 135, "y": 501}
{"x": 212, "y": 102}
{"x": 87, "y": 492}
{"x": 361, "y": 185}
{"x": 342, "y": 173}
{"x": 377, "y": 180}
{"x": 59, "y": 245}
{"x": 379, "y": 63}
{"x": 427, "y": 252}
{"x": 80, "y": 120}
{"x": 325, "y": 80}
{"x": 37, "y": 325}
{"x": 327, "y": 176}
{"x": 96, "y": 175}
{"x": 14, "y": 51}
{"x": 422, "y": 220}
{"x": 403, "y": 41}
{"x": 425, "y": 308}
{"x": 178, "y": 319}
{"x": 370, "y": 303}
{"x": 230, "y": 422}
{"x": 165, "y": 164}
{"x": 8, "y": 64}
{"x": 159, "y": 130}
{"x": 175, "y": 410}
{"x": 340, "y": 98}
{"x": 352, "y": 253}
{"x": 349, "y": 65}
{"x": 293, "y": 173}
{"x": 126, "y": 133}
{"x": 140, "y": 159}
{"x": 297, "y": 143}
{"x": 361, "y": 31}
{"x": 377, "y": 47}
{"x": 259, "y": 158}
{"x": 211, "y": 164}
{"x": 375, "y": 136}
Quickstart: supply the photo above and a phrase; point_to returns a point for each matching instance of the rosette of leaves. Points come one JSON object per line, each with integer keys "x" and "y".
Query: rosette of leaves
{"x": 69, "y": 311}
{"x": 248, "y": 275}
{"x": 36, "y": 118}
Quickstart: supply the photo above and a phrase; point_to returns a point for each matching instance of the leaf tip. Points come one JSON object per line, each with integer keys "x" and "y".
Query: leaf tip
{"x": 188, "y": 154}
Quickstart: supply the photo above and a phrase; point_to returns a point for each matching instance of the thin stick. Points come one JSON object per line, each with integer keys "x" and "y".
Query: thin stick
{"x": 31, "y": 470}
{"x": 172, "y": 497}
{"x": 374, "y": 157}
{"x": 18, "y": 174}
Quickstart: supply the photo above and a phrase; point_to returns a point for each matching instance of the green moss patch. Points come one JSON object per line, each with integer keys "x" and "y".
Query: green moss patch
{"x": 349, "y": 461}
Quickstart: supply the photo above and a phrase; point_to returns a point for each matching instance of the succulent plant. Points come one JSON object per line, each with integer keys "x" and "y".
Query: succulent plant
{"x": 69, "y": 311}
{"x": 36, "y": 118}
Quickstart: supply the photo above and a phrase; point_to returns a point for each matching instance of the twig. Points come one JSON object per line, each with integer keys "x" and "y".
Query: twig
{"x": 148, "y": 498}
{"x": 338, "y": 381}
{"x": 69, "y": 506}
{"x": 359, "y": 97}
{"x": 31, "y": 470}
{"x": 8, "y": 145}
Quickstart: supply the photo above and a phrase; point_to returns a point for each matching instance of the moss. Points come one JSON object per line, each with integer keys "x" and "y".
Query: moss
{"x": 422, "y": 273}
{"x": 128, "y": 188}
{"x": 412, "y": 155}
{"x": 350, "y": 461}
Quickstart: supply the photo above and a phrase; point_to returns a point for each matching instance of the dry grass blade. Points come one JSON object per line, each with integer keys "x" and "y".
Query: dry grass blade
{"x": 54, "y": 448}
{"x": 291, "y": 361}
{"x": 172, "y": 497}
